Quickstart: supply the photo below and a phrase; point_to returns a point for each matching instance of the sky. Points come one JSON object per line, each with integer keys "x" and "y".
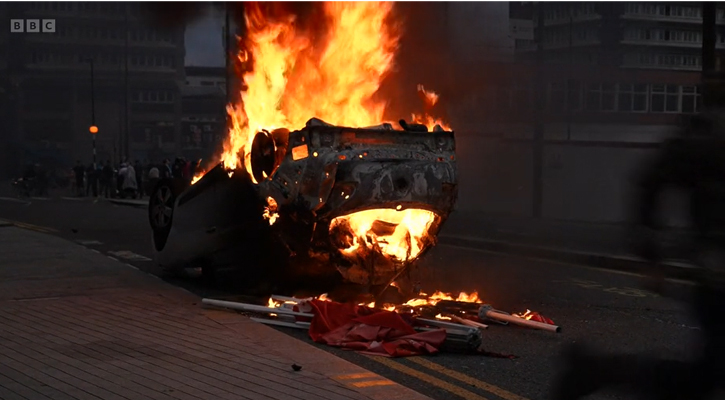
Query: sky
{"x": 204, "y": 41}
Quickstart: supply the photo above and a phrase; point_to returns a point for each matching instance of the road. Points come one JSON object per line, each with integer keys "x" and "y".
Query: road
{"x": 600, "y": 307}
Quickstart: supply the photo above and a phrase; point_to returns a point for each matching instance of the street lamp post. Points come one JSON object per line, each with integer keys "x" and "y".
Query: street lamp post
{"x": 93, "y": 128}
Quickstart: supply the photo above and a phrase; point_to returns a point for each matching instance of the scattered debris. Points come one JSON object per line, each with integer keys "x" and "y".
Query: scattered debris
{"x": 446, "y": 325}
{"x": 488, "y": 312}
{"x": 296, "y": 367}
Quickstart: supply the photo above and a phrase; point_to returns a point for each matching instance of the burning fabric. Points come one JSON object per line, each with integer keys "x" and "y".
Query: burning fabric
{"x": 371, "y": 331}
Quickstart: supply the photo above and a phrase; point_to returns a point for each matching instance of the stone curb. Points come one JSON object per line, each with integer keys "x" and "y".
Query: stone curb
{"x": 673, "y": 269}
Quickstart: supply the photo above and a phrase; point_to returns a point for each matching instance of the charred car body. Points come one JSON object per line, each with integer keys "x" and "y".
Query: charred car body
{"x": 360, "y": 203}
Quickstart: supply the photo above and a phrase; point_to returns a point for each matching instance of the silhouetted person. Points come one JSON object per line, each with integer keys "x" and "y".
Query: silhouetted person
{"x": 177, "y": 170}
{"x": 138, "y": 170}
{"x": 153, "y": 178}
{"x": 166, "y": 171}
{"x": 107, "y": 180}
{"x": 79, "y": 172}
{"x": 695, "y": 162}
{"x": 91, "y": 181}
{"x": 186, "y": 170}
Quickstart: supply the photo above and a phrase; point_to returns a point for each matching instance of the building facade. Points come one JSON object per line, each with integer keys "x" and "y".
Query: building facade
{"x": 133, "y": 93}
{"x": 629, "y": 63}
{"x": 203, "y": 121}
{"x": 612, "y": 80}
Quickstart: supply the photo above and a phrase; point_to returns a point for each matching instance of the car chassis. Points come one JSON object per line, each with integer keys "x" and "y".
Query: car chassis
{"x": 279, "y": 219}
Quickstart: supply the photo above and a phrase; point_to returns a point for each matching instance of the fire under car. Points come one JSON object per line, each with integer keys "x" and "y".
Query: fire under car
{"x": 360, "y": 204}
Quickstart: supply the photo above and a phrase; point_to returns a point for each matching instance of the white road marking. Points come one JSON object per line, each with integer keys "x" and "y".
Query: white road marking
{"x": 89, "y": 242}
{"x": 39, "y": 198}
{"x": 14, "y": 200}
{"x": 95, "y": 251}
{"x": 74, "y": 198}
{"x": 128, "y": 255}
{"x": 112, "y": 258}
{"x": 136, "y": 268}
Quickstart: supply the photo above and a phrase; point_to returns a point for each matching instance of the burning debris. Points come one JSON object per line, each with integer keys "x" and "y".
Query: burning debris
{"x": 270, "y": 211}
{"x": 459, "y": 320}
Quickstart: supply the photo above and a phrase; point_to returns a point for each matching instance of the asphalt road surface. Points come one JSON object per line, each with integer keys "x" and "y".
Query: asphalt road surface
{"x": 603, "y": 308}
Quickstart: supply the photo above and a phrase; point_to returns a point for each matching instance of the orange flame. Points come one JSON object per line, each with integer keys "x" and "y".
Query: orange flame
{"x": 294, "y": 75}
{"x": 433, "y": 299}
{"x": 272, "y": 304}
{"x": 430, "y": 98}
{"x": 403, "y": 242}
{"x": 197, "y": 176}
{"x": 527, "y": 315}
{"x": 422, "y": 301}
{"x": 270, "y": 211}
{"x": 293, "y": 78}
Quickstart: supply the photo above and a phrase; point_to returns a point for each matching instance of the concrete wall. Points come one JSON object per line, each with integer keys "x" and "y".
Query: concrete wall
{"x": 584, "y": 183}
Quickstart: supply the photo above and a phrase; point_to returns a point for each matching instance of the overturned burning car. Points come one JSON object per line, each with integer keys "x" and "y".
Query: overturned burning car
{"x": 361, "y": 204}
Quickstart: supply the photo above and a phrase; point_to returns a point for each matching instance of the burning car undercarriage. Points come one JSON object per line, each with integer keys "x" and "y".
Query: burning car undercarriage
{"x": 365, "y": 203}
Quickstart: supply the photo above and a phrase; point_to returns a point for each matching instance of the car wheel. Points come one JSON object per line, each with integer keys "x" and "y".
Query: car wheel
{"x": 161, "y": 210}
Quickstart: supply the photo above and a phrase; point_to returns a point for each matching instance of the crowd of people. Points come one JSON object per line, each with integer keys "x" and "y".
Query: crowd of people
{"x": 127, "y": 179}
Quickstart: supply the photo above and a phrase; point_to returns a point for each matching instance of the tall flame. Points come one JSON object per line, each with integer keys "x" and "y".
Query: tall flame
{"x": 430, "y": 98}
{"x": 294, "y": 78}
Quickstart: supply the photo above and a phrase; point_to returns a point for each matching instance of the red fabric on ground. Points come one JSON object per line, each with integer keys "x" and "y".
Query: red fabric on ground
{"x": 540, "y": 318}
{"x": 370, "y": 331}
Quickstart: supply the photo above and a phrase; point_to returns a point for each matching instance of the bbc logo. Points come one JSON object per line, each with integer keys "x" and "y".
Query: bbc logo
{"x": 32, "y": 25}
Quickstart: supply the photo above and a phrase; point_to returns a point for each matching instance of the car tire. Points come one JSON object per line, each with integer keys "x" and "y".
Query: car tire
{"x": 161, "y": 210}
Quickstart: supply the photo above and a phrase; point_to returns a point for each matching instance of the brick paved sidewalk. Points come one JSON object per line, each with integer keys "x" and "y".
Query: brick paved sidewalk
{"x": 75, "y": 324}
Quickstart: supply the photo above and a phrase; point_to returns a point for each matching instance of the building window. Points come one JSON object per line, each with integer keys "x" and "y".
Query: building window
{"x": 153, "y": 96}
{"x": 685, "y": 12}
{"x": 609, "y": 97}
{"x": 665, "y": 98}
{"x": 625, "y": 97}
{"x": 657, "y": 99}
{"x": 639, "y": 103}
{"x": 690, "y": 99}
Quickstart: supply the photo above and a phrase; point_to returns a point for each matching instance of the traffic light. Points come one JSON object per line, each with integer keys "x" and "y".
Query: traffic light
{"x": 93, "y": 129}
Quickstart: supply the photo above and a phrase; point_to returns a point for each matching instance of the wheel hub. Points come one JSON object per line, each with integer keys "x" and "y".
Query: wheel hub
{"x": 162, "y": 209}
